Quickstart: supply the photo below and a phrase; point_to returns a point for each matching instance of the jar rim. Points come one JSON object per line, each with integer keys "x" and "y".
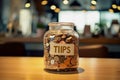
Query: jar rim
{"x": 61, "y": 24}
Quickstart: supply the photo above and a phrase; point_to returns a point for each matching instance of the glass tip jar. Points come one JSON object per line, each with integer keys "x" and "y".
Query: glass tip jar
{"x": 61, "y": 47}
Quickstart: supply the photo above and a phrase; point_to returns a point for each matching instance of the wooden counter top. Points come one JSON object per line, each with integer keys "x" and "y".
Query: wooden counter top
{"x": 32, "y": 68}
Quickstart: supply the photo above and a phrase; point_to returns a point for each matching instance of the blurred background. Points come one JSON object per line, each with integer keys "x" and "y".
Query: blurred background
{"x": 25, "y": 22}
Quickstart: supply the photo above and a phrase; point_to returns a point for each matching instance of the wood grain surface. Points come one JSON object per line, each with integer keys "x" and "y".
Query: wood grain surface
{"x": 32, "y": 68}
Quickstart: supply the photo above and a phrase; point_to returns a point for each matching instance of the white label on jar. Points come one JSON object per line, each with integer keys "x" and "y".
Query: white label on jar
{"x": 61, "y": 49}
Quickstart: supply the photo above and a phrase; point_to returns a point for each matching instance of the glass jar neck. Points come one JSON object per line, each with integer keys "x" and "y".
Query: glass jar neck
{"x": 61, "y": 25}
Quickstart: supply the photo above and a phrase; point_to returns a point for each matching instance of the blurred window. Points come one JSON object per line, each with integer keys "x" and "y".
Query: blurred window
{"x": 80, "y": 18}
{"x": 108, "y": 17}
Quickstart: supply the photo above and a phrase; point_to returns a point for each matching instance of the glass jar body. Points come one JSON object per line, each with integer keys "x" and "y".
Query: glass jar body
{"x": 61, "y": 52}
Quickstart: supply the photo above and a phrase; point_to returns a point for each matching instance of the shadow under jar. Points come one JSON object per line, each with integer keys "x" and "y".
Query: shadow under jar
{"x": 61, "y": 47}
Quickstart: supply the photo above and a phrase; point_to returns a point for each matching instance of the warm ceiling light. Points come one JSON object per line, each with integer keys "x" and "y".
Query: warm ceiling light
{"x": 111, "y": 10}
{"x": 65, "y": 2}
{"x": 44, "y": 2}
{"x": 114, "y": 6}
{"x": 27, "y": 5}
{"x": 93, "y": 2}
{"x": 52, "y": 7}
{"x": 57, "y": 10}
{"x": 118, "y": 7}
{"x": 92, "y": 7}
